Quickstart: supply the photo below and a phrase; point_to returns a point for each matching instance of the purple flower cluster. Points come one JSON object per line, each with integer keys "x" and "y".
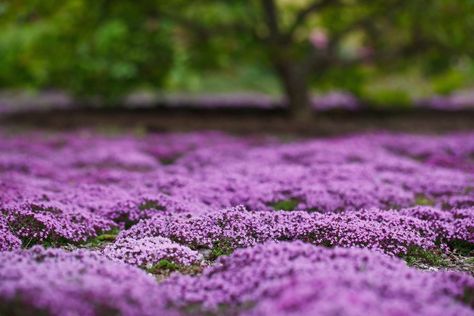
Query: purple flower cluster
{"x": 335, "y": 100}
{"x": 454, "y": 151}
{"x": 148, "y": 251}
{"x": 288, "y": 278}
{"x": 128, "y": 213}
{"x": 394, "y": 232}
{"x": 55, "y": 282}
{"x": 219, "y": 171}
{"x": 187, "y": 199}
{"x": 454, "y": 102}
{"x": 300, "y": 279}
{"x": 49, "y": 221}
{"x": 73, "y": 186}
{"x": 8, "y": 241}
{"x": 456, "y": 224}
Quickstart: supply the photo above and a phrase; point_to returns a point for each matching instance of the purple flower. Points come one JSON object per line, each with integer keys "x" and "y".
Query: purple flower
{"x": 57, "y": 282}
{"x": 301, "y": 279}
{"x": 148, "y": 251}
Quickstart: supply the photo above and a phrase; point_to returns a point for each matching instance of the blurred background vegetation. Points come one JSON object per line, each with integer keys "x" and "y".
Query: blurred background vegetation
{"x": 388, "y": 51}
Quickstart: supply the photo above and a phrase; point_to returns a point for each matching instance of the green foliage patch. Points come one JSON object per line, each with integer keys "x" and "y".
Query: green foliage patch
{"x": 417, "y": 255}
{"x": 102, "y": 239}
{"x": 151, "y": 205}
{"x": 462, "y": 247}
{"x": 423, "y": 200}
{"x": 221, "y": 248}
{"x": 285, "y": 205}
{"x": 164, "y": 264}
{"x": 99, "y": 51}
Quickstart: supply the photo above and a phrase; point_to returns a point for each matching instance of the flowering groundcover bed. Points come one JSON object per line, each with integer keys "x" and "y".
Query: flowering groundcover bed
{"x": 212, "y": 224}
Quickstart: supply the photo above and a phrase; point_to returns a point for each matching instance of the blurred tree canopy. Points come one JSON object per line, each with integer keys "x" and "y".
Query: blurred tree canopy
{"x": 86, "y": 47}
{"x": 108, "y": 48}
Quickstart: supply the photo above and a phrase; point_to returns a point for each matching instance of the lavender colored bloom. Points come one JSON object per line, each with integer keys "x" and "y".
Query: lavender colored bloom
{"x": 300, "y": 279}
{"x": 8, "y": 241}
{"x": 34, "y": 223}
{"x": 394, "y": 232}
{"x": 454, "y": 102}
{"x": 335, "y": 100}
{"x": 192, "y": 198}
{"x": 149, "y": 251}
{"x": 56, "y": 282}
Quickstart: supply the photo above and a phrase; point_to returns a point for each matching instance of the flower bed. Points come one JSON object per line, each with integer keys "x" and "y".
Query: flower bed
{"x": 208, "y": 223}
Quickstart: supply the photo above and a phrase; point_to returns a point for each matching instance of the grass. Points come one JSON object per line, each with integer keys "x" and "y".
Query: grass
{"x": 470, "y": 260}
{"x": 416, "y": 256}
{"x": 462, "y": 247}
{"x": 221, "y": 248}
{"x": 54, "y": 242}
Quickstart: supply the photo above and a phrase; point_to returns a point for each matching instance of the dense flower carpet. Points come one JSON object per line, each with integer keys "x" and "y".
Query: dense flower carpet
{"x": 213, "y": 224}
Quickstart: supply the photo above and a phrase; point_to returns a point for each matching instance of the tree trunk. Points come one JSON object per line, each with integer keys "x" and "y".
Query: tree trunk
{"x": 295, "y": 83}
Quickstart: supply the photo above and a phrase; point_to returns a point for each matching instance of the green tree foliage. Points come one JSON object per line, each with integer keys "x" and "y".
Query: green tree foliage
{"x": 107, "y": 48}
{"x": 326, "y": 42}
{"x": 90, "y": 48}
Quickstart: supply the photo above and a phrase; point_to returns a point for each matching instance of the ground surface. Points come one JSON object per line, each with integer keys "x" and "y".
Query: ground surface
{"x": 212, "y": 224}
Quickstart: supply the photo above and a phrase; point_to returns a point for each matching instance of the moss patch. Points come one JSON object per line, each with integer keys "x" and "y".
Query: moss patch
{"x": 102, "y": 239}
{"x": 423, "y": 200}
{"x": 285, "y": 205}
{"x": 163, "y": 264}
{"x": 164, "y": 268}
